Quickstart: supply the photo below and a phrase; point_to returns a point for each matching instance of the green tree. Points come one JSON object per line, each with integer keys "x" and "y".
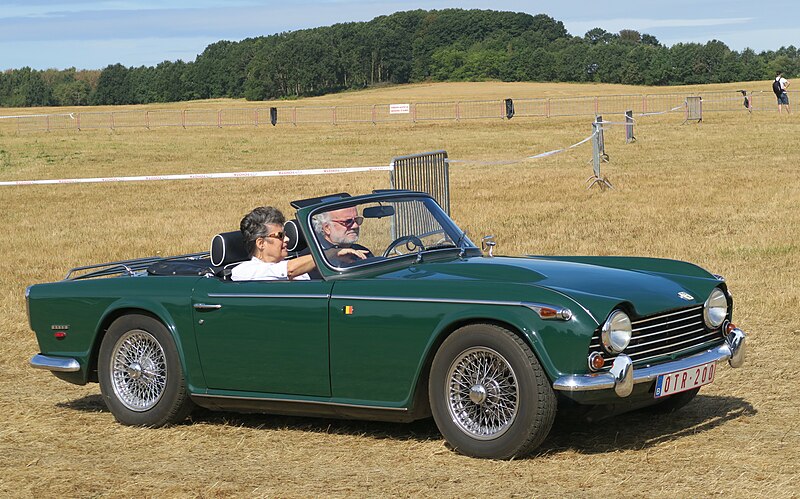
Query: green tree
{"x": 74, "y": 93}
{"x": 598, "y": 35}
{"x": 113, "y": 86}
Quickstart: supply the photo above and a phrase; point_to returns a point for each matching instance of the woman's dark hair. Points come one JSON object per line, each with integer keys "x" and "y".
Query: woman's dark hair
{"x": 254, "y": 225}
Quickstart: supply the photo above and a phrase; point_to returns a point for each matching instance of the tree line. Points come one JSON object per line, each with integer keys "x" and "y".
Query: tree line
{"x": 405, "y": 47}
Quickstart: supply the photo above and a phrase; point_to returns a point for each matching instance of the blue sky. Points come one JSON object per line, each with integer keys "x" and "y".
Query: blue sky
{"x": 91, "y": 34}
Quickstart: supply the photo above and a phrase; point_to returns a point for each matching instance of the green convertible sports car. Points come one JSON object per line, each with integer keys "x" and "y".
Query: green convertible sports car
{"x": 425, "y": 325}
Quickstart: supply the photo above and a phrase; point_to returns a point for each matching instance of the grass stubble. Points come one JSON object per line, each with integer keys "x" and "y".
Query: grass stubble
{"x": 722, "y": 193}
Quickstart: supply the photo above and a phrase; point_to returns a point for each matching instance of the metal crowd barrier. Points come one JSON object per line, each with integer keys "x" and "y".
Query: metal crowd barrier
{"x": 640, "y": 105}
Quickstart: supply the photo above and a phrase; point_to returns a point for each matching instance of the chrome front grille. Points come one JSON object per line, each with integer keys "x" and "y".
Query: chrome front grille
{"x": 664, "y": 336}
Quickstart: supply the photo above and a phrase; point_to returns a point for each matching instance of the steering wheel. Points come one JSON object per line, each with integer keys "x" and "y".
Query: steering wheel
{"x": 407, "y": 240}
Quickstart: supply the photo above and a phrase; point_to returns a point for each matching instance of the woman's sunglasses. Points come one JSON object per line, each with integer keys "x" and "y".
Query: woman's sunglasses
{"x": 277, "y": 235}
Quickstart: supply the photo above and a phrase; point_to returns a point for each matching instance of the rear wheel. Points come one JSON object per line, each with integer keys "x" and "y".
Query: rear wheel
{"x": 140, "y": 373}
{"x": 489, "y": 396}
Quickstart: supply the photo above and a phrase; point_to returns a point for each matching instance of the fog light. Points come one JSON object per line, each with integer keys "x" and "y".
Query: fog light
{"x": 596, "y": 361}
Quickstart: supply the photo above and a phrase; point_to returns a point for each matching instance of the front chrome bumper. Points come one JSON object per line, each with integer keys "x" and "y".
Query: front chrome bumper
{"x": 623, "y": 376}
{"x": 57, "y": 364}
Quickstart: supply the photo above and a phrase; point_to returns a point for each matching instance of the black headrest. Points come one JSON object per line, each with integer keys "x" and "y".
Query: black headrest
{"x": 228, "y": 247}
{"x": 296, "y": 240}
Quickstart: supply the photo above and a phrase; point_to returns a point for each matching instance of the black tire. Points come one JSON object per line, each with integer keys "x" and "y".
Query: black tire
{"x": 140, "y": 373}
{"x": 498, "y": 412}
{"x": 673, "y": 402}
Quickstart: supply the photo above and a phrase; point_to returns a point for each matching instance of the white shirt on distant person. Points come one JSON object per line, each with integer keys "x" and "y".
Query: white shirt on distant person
{"x": 259, "y": 270}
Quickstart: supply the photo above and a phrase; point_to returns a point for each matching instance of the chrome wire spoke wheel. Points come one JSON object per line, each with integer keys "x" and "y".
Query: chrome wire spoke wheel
{"x": 138, "y": 370}
{"x": 483, "y": 393}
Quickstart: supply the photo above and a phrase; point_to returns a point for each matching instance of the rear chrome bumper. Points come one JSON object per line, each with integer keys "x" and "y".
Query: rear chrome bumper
{"x": 623, "y": 376}
{"x": 57, "y": 364}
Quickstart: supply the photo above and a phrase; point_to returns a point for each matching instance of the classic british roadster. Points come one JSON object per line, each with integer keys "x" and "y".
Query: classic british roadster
{"x": 491, "y": 347}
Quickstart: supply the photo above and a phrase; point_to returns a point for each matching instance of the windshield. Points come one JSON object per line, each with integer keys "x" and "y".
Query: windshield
{"x": 368, "y": 232}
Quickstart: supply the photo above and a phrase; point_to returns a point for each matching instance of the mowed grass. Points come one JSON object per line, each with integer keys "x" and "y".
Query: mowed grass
{"x": 722, "y": 194}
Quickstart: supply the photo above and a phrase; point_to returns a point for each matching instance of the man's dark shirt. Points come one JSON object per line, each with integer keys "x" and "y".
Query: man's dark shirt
{"x": 330, "y": 252}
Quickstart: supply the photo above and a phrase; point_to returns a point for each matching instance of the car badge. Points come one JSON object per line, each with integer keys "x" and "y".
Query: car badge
{"x": 683, "y": 295}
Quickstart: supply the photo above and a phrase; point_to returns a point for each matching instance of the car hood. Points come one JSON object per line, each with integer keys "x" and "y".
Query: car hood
{"x": 598, "y": 283}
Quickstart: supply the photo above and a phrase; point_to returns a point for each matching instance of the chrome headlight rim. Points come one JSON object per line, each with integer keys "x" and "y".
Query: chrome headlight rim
{"x": 715, "y": 309}
{"x": 615, "y": 335}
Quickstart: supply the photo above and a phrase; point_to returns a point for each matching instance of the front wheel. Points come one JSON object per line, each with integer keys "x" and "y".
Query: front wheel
{"x": 140, "y": 373}
{"x": 488, "y": 393}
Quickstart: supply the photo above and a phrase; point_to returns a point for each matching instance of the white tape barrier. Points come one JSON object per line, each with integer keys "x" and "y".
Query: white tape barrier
{"x": 193, "y": 176}
{"x": 71, "y": 115}
{"x": 663, "y": 112}
{"x": 514, "y": 161}
{"x": 556, "y": 151}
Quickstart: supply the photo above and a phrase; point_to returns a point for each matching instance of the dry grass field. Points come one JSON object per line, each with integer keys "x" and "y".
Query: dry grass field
{"x": 723, "y": 194}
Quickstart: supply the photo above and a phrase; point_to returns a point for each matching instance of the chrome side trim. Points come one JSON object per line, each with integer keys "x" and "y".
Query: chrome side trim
{"x": 733, "y": 350}
{"x": 263, "y": 295}
{"x": 301, "y": 401}
{"x": 561, "y": 313}
{"x": 57, "y": 364}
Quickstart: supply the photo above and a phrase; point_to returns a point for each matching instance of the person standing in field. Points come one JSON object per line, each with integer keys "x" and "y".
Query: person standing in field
{"x": 779, "y": 87}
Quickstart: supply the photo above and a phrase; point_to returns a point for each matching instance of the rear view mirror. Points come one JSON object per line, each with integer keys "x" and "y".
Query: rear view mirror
{"x": 378, "y": 211}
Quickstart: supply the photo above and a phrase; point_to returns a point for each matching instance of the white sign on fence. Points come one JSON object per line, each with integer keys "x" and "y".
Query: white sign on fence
{"x": 399, "y": 108}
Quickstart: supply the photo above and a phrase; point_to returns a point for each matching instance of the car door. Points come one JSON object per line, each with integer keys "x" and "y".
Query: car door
{"x": 379, "y": 333}
{"x": 263, "y": 336}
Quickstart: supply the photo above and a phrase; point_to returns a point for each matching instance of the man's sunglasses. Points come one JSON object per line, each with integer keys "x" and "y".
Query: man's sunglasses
{"x": 348, "y": 222}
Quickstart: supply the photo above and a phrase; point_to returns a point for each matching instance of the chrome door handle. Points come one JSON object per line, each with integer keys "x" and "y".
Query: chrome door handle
{"x": 206, "y": 306}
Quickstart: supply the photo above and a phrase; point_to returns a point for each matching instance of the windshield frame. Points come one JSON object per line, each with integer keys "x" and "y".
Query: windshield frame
{"x": 327, "y": 269}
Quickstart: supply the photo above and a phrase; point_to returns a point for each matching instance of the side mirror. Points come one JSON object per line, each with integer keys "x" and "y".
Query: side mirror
{"x": 378, "y": 211}
{"x": 488, "y": 242}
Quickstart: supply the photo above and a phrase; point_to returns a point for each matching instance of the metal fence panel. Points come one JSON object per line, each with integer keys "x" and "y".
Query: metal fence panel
{"x": 31, "y": 123}
{"x": 426, "y": 172}
{"x": 313, "y": 115}
{"x": 618, "y": 104}
{"x": 436, "y": 111}
{"x": 88, "y": 121}
{"x": 664, "y": 103}
{"x": 383, "y": 114}
{"x": 353, "y": 114}
{"x": 694, "y": 108}
{"x": 531, "y": 108}
{"x": 201, "y": 117}
{"x": 164, "y": 118}
{"x": 571, "y": 106}
{"x": 59, "y": 122}
{"x": 129, "y": 119}
{"x": 482, "y": 109}
{"x": 238, "y": 117}
{"x": 262, "y": 116}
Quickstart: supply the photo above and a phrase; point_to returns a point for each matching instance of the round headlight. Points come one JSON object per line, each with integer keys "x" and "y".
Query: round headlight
{"x": 616, "y": 332}
{"x": 715, "y": 309}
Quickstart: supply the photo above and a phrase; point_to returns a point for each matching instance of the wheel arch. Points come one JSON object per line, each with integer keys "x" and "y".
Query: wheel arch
{"x": 121, "y": 309}
{"x": 420, "y": 403}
